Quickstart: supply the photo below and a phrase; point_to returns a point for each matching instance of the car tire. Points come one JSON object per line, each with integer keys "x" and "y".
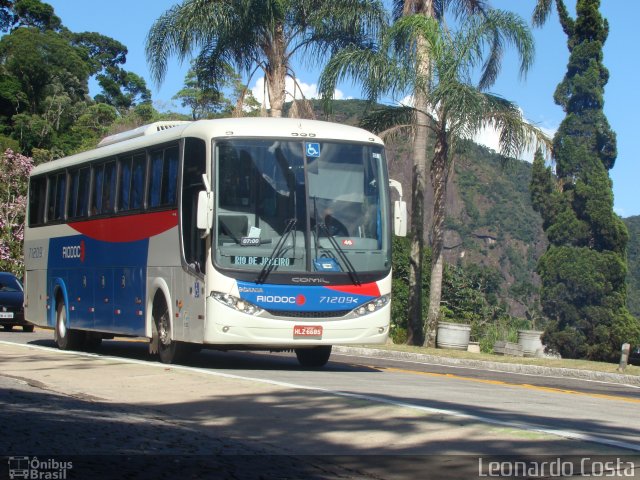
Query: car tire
{"x": 27, "y": 328}
{"x": 7, "y": 328}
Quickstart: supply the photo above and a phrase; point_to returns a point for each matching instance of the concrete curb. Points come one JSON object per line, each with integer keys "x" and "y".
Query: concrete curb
{"x": 498, "y": 366}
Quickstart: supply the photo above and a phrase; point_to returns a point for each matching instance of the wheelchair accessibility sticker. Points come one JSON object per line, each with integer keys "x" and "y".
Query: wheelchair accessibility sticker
{"x": 312, "y": 150}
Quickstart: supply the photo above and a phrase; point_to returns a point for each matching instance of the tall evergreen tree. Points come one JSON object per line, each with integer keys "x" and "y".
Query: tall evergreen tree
{"x": 583, "y": 271}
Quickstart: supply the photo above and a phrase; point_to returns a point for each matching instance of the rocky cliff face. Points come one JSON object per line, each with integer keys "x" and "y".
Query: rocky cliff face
{"x": 490, "y": 221}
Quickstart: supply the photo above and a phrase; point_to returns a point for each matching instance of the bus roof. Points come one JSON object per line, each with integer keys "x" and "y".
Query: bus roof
{"x": 256, "y": 127}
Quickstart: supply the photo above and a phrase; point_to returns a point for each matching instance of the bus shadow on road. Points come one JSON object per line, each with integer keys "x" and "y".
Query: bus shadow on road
{"x": 136, "y": 349}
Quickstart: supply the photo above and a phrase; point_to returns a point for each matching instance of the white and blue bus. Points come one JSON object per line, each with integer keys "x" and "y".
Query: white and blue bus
{"x": 254, "y": 233}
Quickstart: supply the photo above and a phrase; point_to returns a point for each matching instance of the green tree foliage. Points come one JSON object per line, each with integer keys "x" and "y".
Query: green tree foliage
{"x": 44, "y": 78}
{"x": 583, "y": 272}
{"x": 468, "y": 296}
{"x": 28, "y": 13}
{"x": 14, "y": 172}
{"x": 633, "y": 260}
{"x": 205, "y": 100}
{"x": 122, "y": 89}
{"x": 39, "y": 60}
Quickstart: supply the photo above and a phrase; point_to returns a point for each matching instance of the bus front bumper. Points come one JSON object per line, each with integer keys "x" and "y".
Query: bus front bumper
{"x": 224, "y": 325}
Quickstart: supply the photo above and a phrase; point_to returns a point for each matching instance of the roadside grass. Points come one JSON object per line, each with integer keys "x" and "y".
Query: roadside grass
{"x": 543, "y": 362}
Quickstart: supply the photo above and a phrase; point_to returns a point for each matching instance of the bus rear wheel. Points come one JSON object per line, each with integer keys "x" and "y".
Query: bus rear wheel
{"x": 314, "y": 357}
{"x": 66, "y": 339}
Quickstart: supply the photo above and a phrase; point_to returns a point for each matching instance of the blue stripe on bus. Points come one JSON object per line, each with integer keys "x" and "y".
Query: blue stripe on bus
{"x": 105, "y": 282}
{"x": 308, "y": 298}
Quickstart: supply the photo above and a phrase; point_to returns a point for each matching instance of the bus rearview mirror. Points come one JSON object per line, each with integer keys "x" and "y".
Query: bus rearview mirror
{"x": 400, "y": 218}
{"x": 205, "y": 212}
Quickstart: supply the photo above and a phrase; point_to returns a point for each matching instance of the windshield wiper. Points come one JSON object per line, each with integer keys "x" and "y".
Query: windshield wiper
{"x": 353, "y": 274}
{"x": 278, "y": 250}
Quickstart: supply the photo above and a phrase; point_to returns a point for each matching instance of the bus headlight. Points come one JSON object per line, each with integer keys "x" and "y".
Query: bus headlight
{"x": 236, "y": 303}
{"x": 373, "y": 305}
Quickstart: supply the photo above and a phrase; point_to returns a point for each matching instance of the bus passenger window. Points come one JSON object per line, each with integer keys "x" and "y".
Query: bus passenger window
{"x": 79, "y": 193}
{"x": 137, "y": 183}
{"x": 170, "y": 176}
{"x": 155, "y": 187}
{"x": 37, "y": 198}
{"x": 164, "y": 177}
{"x": 57, "y": 194}
{"x": 125, "y": 184}
{"x": 109, "y": 188}
{"x": 98, "y": 181}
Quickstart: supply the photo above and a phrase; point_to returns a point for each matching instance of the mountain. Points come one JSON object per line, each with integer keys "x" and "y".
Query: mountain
{"x": 490, "y": 221}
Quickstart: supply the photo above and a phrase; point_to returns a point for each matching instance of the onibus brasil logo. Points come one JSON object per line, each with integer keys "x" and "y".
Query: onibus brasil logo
{"x": 34, "y": 468}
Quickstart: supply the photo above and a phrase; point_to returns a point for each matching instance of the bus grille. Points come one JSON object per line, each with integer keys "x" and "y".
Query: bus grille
{"x": 323, "y": 314}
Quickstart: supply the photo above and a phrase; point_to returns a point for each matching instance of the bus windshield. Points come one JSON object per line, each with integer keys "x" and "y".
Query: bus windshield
{"x": 301, "y": 206}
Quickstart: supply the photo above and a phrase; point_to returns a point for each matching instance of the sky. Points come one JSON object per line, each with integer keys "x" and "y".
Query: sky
{"x": 128, "y": 21}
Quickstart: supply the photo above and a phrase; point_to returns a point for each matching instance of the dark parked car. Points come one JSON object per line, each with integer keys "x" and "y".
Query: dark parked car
{"x": 11, "y": 300}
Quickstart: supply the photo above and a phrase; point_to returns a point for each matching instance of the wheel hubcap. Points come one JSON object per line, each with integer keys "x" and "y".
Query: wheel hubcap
{"x": 163, "y": 330}
{"x": 62, "y": 327}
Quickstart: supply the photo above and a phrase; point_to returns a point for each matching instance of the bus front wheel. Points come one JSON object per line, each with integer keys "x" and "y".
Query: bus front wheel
{"x": 314, "y": 357}
{"x": 169, "y": 350}
{"x": 66, "y": 339}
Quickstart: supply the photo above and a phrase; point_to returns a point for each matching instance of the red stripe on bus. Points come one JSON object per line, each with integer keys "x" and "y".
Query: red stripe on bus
{"x": 368, "y": 289}
{"x": 130, "y": 228}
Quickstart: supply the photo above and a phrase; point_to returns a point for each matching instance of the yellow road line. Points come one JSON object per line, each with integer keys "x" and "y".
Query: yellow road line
{"x": 603, "y": 396}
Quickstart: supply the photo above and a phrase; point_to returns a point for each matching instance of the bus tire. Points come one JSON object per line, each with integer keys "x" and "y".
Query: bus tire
{"x": 169, "y": 351}
{"x": 314, "y": 357}
{"x": 66, "y": 339}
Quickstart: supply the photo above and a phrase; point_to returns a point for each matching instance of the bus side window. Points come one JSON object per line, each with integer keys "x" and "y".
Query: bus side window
{"x": 37, "y": 198}
{"x": 170, "y": 176}
{"x": 124, "y": 202}
{"x": 109, "y": 188}
{"x": 79, "y": 193}
{"x": 137, "y": 181}
{"x": 155, "y": 182}
{"x": 98, "y": 181}
{"x": 164, "y": 177}
{"x": 57, "y": 194}
{"x": 82, "y": 207}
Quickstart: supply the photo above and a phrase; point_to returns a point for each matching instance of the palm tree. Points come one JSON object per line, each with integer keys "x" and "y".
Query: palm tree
{"x": 436, "y": 10}
{"x": 258, "y": 35}
{"x": 542, "y": 11}
{"x": 448, "y": 105}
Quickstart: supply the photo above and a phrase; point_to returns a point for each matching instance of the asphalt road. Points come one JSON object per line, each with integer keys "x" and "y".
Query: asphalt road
{"x": 265, "y": 404}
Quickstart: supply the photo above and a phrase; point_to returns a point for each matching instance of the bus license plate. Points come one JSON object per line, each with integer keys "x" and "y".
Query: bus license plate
{"x": 6, "y": 314}
{"x": 307, "y": 331}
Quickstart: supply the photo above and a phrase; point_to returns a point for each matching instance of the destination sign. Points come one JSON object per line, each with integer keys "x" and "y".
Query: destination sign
{"x": 262, "y": 261}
